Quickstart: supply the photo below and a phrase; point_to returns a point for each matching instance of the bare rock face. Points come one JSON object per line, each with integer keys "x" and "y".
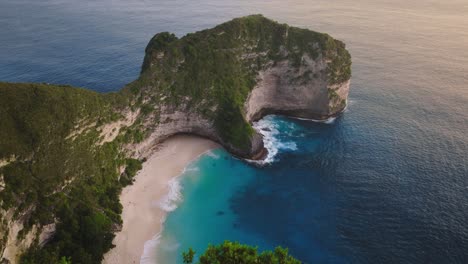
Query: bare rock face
{"x": 13, "y": 245}
{"x": 299, "y": 92}
{"x": 303, "y": 92}
{"x": 174, "y": 121}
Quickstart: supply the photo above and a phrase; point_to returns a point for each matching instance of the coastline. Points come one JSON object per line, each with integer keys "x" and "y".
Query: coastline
{"x": 142, "y": 214}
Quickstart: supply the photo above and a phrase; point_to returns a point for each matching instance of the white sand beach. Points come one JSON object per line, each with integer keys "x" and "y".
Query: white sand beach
{"x": 142, "y": 215}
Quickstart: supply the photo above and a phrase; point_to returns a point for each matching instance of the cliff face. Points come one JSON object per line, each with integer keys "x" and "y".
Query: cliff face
{"x": 66, "y": 153}
{"x": 303, "y": 92}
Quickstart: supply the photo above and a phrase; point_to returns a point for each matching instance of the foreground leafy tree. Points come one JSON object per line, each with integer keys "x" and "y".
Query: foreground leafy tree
{"x": 236, "y": 253}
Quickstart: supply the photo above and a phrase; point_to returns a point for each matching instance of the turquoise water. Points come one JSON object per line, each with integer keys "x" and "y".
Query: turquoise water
{"x": 387, "y": 182}
{"x": 208, "y": 186}
{"x": 205, "y": 194}
{"x": 220, "y": 197}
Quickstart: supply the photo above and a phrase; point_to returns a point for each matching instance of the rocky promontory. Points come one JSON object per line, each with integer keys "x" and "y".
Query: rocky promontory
{"x": 216, "y": 82}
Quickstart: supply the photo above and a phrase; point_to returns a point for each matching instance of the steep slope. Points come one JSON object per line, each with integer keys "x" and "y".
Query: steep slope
{"x": 66, "y": 153}
{"x": 55, "y": 173}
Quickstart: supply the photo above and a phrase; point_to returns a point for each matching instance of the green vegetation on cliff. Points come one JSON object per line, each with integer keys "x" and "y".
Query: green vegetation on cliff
{"x": 56, "y": 168}
{"x": 56, "y": 175}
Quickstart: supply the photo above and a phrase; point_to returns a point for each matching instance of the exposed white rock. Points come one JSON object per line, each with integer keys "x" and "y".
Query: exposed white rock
{"x": 79, "y": 129}
{"x": 46, "y": 234}
{"x": 2, "y": 183}
{"x": 175, "y": 121}
{"x": 14, "y": 246}
{"x": 111, "y": 130}
{"x": 6, "y": 161}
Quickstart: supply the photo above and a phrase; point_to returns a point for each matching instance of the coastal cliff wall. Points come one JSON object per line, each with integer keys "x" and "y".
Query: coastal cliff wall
{"x": 299, "y": 92}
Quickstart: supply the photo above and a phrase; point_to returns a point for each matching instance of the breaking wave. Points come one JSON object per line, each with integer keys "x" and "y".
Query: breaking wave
{"x": 212, "y": 155}
{"x": 270, "y": 129}
{"x": 149, "y": 250}
{"x": 169, "y": 202}
{"x": 325, "y": 121}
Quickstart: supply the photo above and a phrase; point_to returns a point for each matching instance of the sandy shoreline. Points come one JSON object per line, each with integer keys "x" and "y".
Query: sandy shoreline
{"x": 142, "y": 216}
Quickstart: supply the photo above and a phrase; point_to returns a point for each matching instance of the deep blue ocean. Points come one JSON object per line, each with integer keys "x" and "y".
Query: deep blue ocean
{"x": 387, "y": 182}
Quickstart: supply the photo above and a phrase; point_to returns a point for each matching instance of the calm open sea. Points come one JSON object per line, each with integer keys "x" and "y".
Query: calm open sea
{"x": 387, "y": 182}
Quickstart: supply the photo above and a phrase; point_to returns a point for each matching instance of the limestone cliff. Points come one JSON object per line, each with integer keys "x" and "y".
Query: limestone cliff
{"x": 66, "y": 153}
{"x": 280, "y": 90}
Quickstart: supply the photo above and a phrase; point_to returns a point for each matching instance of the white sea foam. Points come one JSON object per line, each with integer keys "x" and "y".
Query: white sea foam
{"x": 212, "y": 154}
{"x": 169, "y": 202}
{"x": 191, "y": 169}
{"x": 330, "y": 120}
{"x": 269, "y": 129}
{"x": 326, "y": 121}
{"x": 168, "y": 246}
{"x": 149, "y": 250}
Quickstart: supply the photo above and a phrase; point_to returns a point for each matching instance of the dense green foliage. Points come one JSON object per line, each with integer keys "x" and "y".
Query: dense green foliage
{"x": 56, "y": 175}
{"x": 236, "y": 253}
{"x": 133, "y": 166}
{"x": 34, "y": 114}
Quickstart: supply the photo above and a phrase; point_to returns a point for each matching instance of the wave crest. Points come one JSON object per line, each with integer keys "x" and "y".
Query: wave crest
{"x": 270, "y": 129}
{"x": 149, "y": 250}
{"x": 169, "y": 202}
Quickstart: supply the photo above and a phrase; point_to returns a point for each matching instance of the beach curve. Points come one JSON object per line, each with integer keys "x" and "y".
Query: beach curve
{"x": 142, "y": 213}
